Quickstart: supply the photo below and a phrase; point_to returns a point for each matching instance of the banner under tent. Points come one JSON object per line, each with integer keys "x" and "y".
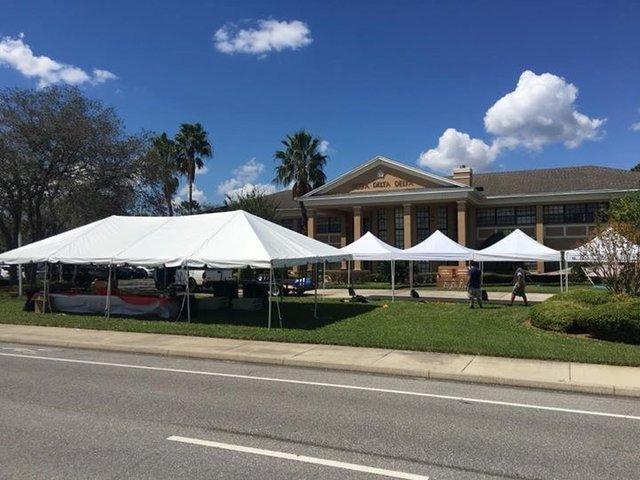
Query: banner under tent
{"x": 216, "y": 240}
{"x": 519, "y": 247}
{"x": 371, "y": 248}
{"x": 436, "y": 247}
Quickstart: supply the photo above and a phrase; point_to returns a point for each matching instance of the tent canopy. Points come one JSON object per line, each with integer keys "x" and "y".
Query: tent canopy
{"x": 219, "y": 240}
{"x": 370, "y": 247}
{"x": 517, "y": 247}
{"x": 609, "y": 246}
{"x": 438, "y": 247}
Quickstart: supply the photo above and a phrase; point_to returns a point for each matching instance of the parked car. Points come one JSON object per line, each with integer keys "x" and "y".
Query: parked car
{"x": 205, "y": 278}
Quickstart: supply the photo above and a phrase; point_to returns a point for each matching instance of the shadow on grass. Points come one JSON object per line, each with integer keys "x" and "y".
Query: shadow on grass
{"x": 295, "y": 315}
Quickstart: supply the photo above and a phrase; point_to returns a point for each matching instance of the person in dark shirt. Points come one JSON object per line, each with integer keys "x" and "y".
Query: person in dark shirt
{"x": 474, "y": 285}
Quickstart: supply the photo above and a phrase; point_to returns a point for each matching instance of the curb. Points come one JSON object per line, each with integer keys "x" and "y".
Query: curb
{"x": 292, "y": 362}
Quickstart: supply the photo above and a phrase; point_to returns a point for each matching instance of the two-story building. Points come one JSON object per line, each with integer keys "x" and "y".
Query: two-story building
{"x": 403, "y": 205}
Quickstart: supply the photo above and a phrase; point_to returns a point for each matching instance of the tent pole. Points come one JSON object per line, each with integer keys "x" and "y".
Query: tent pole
{"x": 324, "y": 277}
{"x": 188, "y": 298}
{"x": 315, "y": 308}
{"x": 481, "y": 274}
{"x": 348, "y": 273}
{"x": 279, "y": 299}
{"x": 393, "y": 280}
{"x": 269, "y": 291}
{"x": 561, "y": 274}
{"x": 107, "y": 307}
{"x": 410, "y": 275}
{"x": 19, "y": 266}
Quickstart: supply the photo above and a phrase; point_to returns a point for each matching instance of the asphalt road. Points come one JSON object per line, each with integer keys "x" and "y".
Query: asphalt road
{"x": 67, "y": 413}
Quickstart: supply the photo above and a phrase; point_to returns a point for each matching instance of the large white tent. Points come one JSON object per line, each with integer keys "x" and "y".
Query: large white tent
{"x": 219, "y": 240}
{"x": 517, "y": 247}
{"x": 371, "y": 248}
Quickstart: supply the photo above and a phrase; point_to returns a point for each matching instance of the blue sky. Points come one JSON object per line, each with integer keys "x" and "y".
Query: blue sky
{"x": 370, "y": 78}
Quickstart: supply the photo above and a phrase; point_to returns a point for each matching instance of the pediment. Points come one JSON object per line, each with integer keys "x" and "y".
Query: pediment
{"x": 381, "y": 175}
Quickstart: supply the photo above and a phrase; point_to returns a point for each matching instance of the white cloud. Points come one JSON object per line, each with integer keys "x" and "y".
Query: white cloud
{"x": 264, "y": 188}
{"x": 324, "y": 147}
{"x": 197, "y": 195}
{"x": 635, "y": 127}
{"x": 245, "y": 179}
{"x": 202, "y": 171}
{"x": 18, "y": 55}
{"x": 457, "y": 148}
{"x": 270, "y": 35}
{"x": 541, "y": 110}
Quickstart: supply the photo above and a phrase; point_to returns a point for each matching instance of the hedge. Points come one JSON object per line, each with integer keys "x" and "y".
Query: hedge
{"x": 558, "y": 316}
{"x": 597, "y": 312}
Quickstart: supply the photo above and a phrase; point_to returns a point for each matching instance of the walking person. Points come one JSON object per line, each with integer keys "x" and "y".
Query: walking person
{"x": 519, "y": 286}
{"x": 474, "y": 285}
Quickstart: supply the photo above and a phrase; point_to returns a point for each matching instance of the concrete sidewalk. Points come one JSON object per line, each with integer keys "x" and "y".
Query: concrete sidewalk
{"x": 578, "y": 377}
{"x": 428, "y": 294}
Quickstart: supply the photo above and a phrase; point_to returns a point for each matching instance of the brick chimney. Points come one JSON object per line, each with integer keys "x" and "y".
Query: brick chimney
{"x": 463, "y": 174}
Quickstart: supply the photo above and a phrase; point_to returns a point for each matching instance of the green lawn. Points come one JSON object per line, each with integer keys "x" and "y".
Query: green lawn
{"x": 533, "y": 288}
{"x": 441, "y": 327}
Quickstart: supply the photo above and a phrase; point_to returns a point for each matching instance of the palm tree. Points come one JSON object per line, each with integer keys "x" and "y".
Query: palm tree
{"x": 192, "y": 147}
{"x": 301, "y": 166}
{"x": 162, "y": 156}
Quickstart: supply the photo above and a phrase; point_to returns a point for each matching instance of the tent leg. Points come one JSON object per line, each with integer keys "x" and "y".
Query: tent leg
{"x": 348, "y": 273}
{"x": 481, "y": 274}
{"x": 561, "y": 276}
{"x": 279, "y": 301}
{"x": 393, "y": 280}
{"x": 315, "y": 307}
{"x": 324, "y": 277}
{"x": 45, "y": 287}
{"x": 270, "y": 292}
{"x": 410, "y": 275}
{"x": 19, "y": 267}
{"x": 107, "y": 307}
{"x": 188, "y": 299}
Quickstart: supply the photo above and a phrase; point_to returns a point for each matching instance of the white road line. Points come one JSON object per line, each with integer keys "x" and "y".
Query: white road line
{"x": 333, "y": 385}
{"x": 299, "y": 458}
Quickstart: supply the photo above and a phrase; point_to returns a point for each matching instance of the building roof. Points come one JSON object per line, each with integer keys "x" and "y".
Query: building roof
{"x": 284, "y": 199}
{"x": 556, "y": 180}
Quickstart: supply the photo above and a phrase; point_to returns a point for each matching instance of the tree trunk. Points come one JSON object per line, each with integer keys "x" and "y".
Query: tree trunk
{"x": 305, "y": 218}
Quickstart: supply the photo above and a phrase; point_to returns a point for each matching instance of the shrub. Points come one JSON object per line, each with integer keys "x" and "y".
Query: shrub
{"x": 618, "y": 320}
{"x": 558, "y": 315}
{"x": 590, "y": 297}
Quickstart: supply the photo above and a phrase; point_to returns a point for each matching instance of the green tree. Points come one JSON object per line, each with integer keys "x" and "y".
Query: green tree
{"x": 301, "y": 165}
{"x": 255, "y": 202}
{"x": 636, "y": 168}
{"x": 626, "y": 209}
{"x": 66, "y": 160}
{"x": 192, "y": 148}
{"x": 159, "y": 169}
{"x": 187, "y": 208}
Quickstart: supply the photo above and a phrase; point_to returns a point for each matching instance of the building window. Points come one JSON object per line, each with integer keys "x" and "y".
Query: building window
{"x": 443, "y": 220}
{"x": 525, "y": 215}
{"x": 399, "y": 227}
{"x": 329, "y": 225}
{"x": 554, "y": 214}
{"x": 486, "y": 217}
{"x": 574, "y": 213}
{"x": 422, "y": 223}
{"x": 505, "y": 216}
{"x": 382, "y": 224}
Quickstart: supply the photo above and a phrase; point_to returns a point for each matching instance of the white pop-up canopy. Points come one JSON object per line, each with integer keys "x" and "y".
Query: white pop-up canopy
{"x": 606, "y": 247}
{"x": 369, "y": 247}
{"x": 219, "y": 240}
{"x": 517, "y": 247}
{"x": 438, "y": 247}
